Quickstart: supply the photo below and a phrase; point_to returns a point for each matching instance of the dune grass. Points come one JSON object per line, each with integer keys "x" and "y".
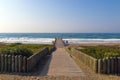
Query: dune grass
{"x": 22, "y": 49}
{"x": 100, "y": 52}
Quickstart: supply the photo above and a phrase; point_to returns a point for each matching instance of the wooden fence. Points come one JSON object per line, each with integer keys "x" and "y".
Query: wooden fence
{"x": 11, "y": 63}
{"x": 109, "y": 65}
{"x": 18, "y": 63}
{"x": 105, "y": 66}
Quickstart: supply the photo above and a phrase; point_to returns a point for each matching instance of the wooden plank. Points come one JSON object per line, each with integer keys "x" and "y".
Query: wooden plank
{"x": 24, "y": 67}
{"x": 6, "y": 63}
{"x": 96, "y": 65}
{"x": 2, "y": 62}
{"x": 9, "y": 63}
{"x": 112, "y": 65}
{"x": 108, "y": 65}
{"x": 16, "y": 63}
{"x": 13, "y": 63}
{"x": 100, "y": 66}
{"x": 118, "y": 65}
{"x": 19, "y": 63}
{"x": 104, "y": 66}
{"x": 28, "y": 64}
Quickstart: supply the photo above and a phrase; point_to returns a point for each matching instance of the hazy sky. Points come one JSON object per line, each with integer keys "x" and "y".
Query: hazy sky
{"x": 60, "y": 16}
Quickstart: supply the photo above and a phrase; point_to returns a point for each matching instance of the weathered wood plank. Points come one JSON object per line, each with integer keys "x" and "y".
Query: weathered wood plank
{"x": 19, "y": 63}
{"x": 13, "y": 63}
{"x": 6, "y": 63}
{"x": 16, "y": 63}
{"x": 24, "y": 67}
{"x": 9, "y": 63}
{"x": 2, "y": 62}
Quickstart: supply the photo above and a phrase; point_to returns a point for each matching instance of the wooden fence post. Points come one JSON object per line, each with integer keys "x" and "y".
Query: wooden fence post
{"x": 104, "y": 66}
{"x": 24, "y": 67}
{"x": 99, "y": 65}
{"x": 19, "y": 63}
{"x": 13, "y": 63}
{"x": 16, "y": 63}
{"x": 118, "y": 65}
{"x": 112, "y": 65}
{"x": 9, "y": 63}
{"x": 28, "y": 63}
{"x": 96, "y": 65}
{"x": 6, "y": 63}
{"x": 2, "y": 62}
{"x": 108, "y": 65}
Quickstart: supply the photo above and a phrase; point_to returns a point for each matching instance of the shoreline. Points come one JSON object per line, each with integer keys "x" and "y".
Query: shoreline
{"x": 69, "y": 43}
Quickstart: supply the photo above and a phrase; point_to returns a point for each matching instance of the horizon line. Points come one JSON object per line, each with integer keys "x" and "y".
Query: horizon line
{"x": 59, "y": 32}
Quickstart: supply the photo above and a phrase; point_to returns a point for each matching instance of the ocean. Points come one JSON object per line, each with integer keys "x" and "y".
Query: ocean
{"x": 47, "y": 38}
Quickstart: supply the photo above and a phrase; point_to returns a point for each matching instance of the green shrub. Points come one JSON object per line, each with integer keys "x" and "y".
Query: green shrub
{"x": 101, "y": 51}
{"x": 36, "y": 47}
{"x": 17, "y": 51}
{"x": 111, "y": 54}
{"x": 22, "y": 49}
{"x": 6, "y": 51}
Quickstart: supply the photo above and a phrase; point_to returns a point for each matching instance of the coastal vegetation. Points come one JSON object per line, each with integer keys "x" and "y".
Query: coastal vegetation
{"x": 100, "y": 52}
{"x": 21, "y": 49}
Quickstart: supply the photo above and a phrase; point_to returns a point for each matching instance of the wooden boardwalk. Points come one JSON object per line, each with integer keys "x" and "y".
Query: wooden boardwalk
{"x": 59, "y": 43}
{"x": 61, "y": 64}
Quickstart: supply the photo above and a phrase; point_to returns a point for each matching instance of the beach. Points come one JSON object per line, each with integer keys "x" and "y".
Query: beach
{"x": 59, "y": 39}
{"x": 73, "y": 41}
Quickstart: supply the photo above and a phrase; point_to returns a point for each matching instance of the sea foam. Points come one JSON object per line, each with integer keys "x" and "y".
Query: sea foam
{"x": 28, "y": 40}
{"x": 78, "y": 40}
